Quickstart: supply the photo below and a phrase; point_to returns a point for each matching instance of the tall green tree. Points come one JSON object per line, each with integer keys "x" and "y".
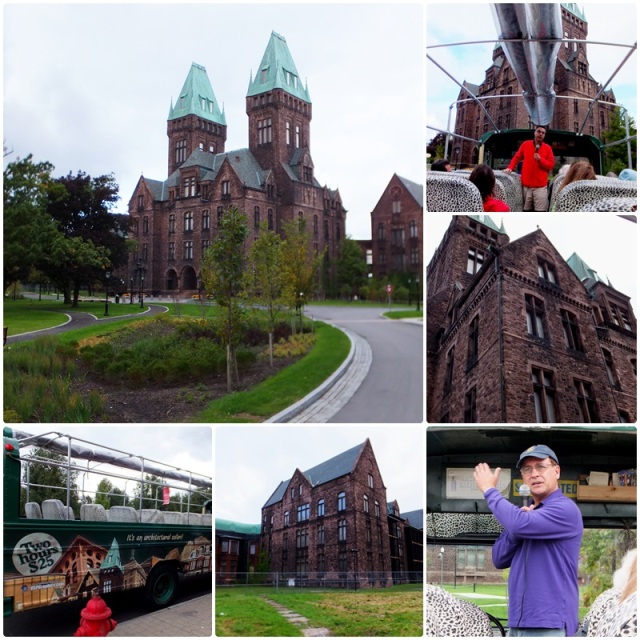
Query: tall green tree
{"x": 301, "y": 267}
{"x": 265, "y": 277}
{"x": 28, "y": 231}
{"x": 81, "y": 207}
{"x": 616, "y": 157}
{"x": 222, "y": 270}
{"x": 351, "y": 267}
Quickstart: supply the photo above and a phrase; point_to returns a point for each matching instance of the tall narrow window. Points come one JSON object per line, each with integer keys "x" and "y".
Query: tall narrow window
{"x": 475, "y": 260}
{"x": 472, "y": 350}
{"x": 448, "y": 376}
{"x": 226, "y": 188}
{"x": 571, "y": 331}
{"x": 256, "y": 217}
{"x": 206, "y": 221}
{"x": 376, "y": 507}
{"x": 188, "y": 221}
{"x": 172, "y": 251}
{"x": 286, "y": 518}
{"x": 270, "y": 219}
{"x": 342, "y": 501}
{"x": 145, "y": 224}
{"x": 586, "y": 401}
{"x": 370, "y": 481}
{"x": 320, "y": 536}
{"x": 219, "y": 213}
{"x": 188, "y": 250}
{"x": 470, "y": 413}
{"x": 288, "y": 133}
{"x": 365, "y": 505}
{"x": 611, "y": 372}
{"x": 544, "y": 394}
{"x": 342, "y": 530}
{"x": 320, "y": 508}
{"x": 297, "y": 136}
{"x": 535, "y": 316}
{"x": 181, "y": 150}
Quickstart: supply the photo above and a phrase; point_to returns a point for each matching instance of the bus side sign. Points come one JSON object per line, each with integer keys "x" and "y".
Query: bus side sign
{"x": 36, "y": 553}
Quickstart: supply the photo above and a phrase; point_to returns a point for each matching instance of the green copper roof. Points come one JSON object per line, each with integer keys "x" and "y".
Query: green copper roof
{"x": 113, "y": 557}
{"x": 575, "y": 9}
{"x": 278, "y": 71}
{"x": 582, "y": 269}
{"x": 237, "y": 527}
{"x": 488, "y": 222}
{"x": 197, "y": 98}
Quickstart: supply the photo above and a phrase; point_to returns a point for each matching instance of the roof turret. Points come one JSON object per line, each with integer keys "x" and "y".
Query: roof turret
{"x": 197, "y": 98}
{"x": 278, "y": 71}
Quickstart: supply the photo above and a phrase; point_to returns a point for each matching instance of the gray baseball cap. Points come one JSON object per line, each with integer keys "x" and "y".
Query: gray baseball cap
{"x": 537, "y": 451}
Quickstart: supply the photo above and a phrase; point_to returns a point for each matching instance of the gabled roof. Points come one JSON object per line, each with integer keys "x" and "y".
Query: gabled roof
{"x": 488, "y": 222}
{"x": 278, "y": 71}
{"x": 335, "y": 467}
{"x": 197, "y": 98}
{"x": 416, "y": 190}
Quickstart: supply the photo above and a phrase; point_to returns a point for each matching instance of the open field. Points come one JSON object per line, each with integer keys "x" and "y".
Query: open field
{"x": 395, "y": 611}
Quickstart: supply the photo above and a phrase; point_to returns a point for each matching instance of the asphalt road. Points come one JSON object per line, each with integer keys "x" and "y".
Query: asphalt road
{"x": 393, "y": 391}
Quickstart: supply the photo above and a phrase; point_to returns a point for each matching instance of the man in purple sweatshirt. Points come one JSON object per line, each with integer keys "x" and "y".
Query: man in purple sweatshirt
{"x": 541, "y": 544}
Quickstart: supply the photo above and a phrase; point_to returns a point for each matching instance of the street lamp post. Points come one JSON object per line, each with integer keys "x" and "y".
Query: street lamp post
{"x": 417, "y": 293}
{"x": 106, "y": 295}
{"x": 131, "y": 291}
{"x": 441, "y": 555}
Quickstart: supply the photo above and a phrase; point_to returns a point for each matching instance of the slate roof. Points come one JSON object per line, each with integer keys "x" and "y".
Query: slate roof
{"x": 582, "y": 269}
{"x": 488, "y": 221}
{"x": 416, "y": 190}
{"x": 415, "y": 518}
{"x": 335, "y": 467}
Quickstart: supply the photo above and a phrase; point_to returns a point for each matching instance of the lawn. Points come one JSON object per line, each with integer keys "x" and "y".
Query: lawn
{"x": 391, "y": 612}
{"x": 399, "y": 315}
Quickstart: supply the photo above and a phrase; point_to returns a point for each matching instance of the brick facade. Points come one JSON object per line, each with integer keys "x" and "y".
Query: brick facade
{"x": 522, "y": 338}
{"x": 396, "y": 229}
{"x": 174, "y": 221}
{"x": 331, "y": 524}
{"x": 572, "y": 84}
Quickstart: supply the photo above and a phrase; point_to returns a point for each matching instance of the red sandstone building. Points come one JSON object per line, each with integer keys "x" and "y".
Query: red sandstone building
{"x": 573, "y": 84}
{"x": 174, "y": 221}
{"x": 396, "y": 229}
{"x": 517, "y": 334}
{"x": 332, "y": 525}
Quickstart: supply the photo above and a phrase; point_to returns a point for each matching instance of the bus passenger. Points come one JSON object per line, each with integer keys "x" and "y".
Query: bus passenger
{"x": 484, "y": 178}
{"x": 441, "y": 165}
{"x": 537, "y": 160}
{"x": 541, "y": 545}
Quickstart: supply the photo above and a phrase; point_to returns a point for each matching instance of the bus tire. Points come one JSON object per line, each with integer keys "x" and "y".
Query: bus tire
{"x": 161, "y": 588}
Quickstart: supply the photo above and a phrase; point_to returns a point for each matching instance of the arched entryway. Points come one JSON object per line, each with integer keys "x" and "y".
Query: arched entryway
{"x": 189, "y": 279}
{"x": 172, "y": 280}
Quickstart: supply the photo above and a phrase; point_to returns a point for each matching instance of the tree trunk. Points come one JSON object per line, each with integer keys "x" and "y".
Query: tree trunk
{"x": 271, "y": 348}
{"x": 229, "y": 383}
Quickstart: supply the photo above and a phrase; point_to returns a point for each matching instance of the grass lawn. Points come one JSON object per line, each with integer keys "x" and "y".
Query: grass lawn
{"x": 496, "y": 605}
{"x": 396, "y": 611}
{"x": 26, "y": 315}
{"x": 287, "y": 386}
{"x": 407, "y": 313}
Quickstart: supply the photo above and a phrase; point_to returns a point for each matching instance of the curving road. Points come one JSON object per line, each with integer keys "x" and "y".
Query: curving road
{"x": 393, "y": 390}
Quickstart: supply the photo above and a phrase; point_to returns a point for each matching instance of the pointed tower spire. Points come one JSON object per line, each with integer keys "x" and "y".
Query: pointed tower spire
{"x": 278, "y": 71}
{"x": 195, "y": 103}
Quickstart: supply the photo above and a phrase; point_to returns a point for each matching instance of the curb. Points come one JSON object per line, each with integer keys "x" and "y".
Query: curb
{"x": 286, "y": 415}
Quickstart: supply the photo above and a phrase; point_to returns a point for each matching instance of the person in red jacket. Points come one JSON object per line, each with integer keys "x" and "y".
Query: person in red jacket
{"x": 484, "y": 178}
{"x": 537, "y": 160}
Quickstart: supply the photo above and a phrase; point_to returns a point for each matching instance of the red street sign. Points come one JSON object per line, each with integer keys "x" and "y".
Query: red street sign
{"x": 165, "y": 495}
{"x": 389, "y": 288}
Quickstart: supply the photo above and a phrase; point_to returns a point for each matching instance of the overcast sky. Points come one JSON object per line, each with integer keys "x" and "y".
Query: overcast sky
{"x": 188, "y": 448}
{"x": 607, "y": 23}
{"x": 88, "y": 86}
{"x": 607, "y": 243}
{"x": 252, "y": 461}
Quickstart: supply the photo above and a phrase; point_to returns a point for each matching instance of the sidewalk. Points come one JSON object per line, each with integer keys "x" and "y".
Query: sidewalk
{"x": 191, "y": 618}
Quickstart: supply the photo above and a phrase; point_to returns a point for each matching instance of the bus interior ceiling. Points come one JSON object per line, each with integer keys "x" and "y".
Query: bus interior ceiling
{"x": 580, "y": 450}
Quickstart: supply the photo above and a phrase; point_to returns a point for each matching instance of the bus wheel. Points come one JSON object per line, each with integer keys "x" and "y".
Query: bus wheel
{"x": 161, "y": 588}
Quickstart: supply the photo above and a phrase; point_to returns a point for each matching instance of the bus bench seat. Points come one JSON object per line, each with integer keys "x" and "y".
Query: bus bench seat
{"x": 579, "y": 194}
{"x": 93, "y": 513}
{"x": 53, "y": 509}
{"x": 172, "y": 517}
{"x": 32, "y": 511}
{"x": 612, "y": 204}
{"x": 450, "y": 192}
{"x": 154, "y": 516}
{"x": 122, "y": 514}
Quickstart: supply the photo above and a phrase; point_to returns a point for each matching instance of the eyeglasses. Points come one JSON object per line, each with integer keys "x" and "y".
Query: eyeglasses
{"x": 540, "y": 468}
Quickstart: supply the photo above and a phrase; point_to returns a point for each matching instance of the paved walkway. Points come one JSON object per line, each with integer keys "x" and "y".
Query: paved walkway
{"x": 187, "y": 619}
{"x": 298, "y": 620}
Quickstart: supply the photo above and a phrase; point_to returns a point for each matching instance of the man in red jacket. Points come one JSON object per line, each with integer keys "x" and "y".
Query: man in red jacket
{"x": 537, "y": 160}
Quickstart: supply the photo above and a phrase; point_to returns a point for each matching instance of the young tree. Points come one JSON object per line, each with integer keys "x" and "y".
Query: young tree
{"x": 616, "y": 157}
{"x": 103, "y": 493}
{"x": 222, "y": 271}
{"x": 300, "y": 266}
{"x": 265, "y": 277}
